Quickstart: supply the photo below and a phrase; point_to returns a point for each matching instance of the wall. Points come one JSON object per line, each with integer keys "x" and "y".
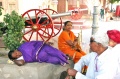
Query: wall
{"x": 61, "y": 7}
{"x": 25, "y": 5}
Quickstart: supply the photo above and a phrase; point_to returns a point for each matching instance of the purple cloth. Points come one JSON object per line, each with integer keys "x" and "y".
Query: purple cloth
{"x": 47, "y": 53}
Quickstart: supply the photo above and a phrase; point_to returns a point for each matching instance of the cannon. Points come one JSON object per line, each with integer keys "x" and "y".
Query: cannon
{"x": 40, "y": 24}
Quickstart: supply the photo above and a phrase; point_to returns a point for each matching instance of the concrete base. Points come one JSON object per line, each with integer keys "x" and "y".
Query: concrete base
{"x": 31, "y": 70}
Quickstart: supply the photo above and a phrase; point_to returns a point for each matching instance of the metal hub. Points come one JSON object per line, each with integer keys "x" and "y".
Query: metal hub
{"x": 35, "y": 27}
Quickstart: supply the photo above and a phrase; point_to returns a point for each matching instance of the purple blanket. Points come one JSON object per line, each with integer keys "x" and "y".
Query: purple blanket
{"x": 47, "y": 53}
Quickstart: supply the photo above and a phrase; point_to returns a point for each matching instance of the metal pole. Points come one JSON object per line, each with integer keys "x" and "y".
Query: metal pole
{"x": 95, "y": 20}
{"x": 80, "y": 36}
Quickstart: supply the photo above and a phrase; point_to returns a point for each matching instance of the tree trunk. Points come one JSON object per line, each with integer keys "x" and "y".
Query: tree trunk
{"x": 111, "y": 7}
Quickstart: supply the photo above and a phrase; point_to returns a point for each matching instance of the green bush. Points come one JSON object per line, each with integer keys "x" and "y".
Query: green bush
{"x": 13, "y": 34}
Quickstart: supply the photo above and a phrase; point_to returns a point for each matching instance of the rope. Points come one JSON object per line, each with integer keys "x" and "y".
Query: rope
{"x": 39, "y": 50}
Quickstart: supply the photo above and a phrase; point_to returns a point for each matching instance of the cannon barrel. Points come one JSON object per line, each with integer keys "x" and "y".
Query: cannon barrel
{"x": 60, "y": 15}
{"x": 53, "y": 16}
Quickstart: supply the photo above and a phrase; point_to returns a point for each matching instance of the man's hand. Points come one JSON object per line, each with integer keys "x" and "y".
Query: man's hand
{"x": 68, "y": 77}
{"x": 50, "y": 43}
{"x": 71, "y": 72}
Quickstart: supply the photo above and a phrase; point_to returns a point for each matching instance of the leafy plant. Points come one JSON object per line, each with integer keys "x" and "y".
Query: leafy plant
{"x": 1, "y": 23}
{"x": 112, "y": 2}
{"x": 1, "y": 8}
{"x": 14, "y": 25}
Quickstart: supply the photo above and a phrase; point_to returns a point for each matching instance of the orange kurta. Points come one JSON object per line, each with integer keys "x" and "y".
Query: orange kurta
{"x": 65, "y": 48}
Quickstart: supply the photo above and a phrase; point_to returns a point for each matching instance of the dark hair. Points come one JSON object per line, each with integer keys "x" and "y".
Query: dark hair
{"x": 65, "y": 23}
{"x": 10, "y": 55}
{"x": 92, "y": 40}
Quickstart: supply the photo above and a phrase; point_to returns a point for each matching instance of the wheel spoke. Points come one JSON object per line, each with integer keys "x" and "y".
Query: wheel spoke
{"x": 30, "y": 18}
{"x": 45, "y": 22}
{"x": 40, "y": 35}
{"x": 31, "y": 35}
{"x": 27, "y": 32}
{"x": 39, "y": 19}
{"x": 53, "y": 33}
{"x": 36, "y": 16}
{"x": 29, "y": 22}
{"x": 47, "y": 31}
{"x": 44, "y": 31}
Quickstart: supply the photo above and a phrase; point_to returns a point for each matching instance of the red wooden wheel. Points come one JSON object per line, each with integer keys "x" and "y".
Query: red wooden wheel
{"x": 38, "y": 25}
{"x": 57, "y": 21}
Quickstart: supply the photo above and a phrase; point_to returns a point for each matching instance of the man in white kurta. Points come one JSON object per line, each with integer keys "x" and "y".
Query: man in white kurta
{"x": 99, "y": 67}
{"x": 101, "y": 63}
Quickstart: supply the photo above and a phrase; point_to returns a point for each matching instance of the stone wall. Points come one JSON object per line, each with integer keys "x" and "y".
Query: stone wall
{"x": 31, "y": 70}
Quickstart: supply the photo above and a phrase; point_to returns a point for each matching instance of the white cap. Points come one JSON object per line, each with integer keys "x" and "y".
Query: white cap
{"x": 101, "y": 37}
